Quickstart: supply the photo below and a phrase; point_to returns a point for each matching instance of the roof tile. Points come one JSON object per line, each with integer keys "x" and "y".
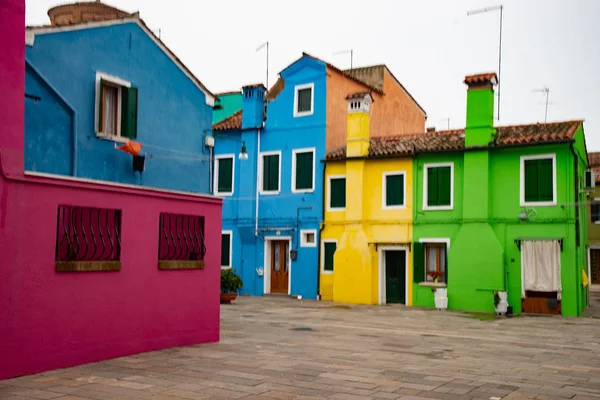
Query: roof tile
{"x": 232, "y": 122}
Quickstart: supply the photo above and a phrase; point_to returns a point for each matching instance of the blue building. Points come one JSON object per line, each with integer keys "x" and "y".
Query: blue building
{"x": 97, "y": 77}
{"x": 268, "y": 169}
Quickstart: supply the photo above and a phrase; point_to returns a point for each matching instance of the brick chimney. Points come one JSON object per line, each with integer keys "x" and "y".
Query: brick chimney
{"x": 479, "y": 129}
{"x": 431, "y": 129}
{"x": 358, "y": 132}
{"x": 253, "y": 106}
{"x": 75, "y": 13}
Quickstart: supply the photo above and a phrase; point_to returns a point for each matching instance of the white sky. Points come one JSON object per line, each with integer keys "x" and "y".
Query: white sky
{"x": 430, "y": 45}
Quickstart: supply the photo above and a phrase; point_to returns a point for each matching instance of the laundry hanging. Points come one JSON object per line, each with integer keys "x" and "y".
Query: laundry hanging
{"x": 540, "y": 270}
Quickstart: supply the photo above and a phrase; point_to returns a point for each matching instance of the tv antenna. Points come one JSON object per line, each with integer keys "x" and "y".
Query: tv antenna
{"x": 547, "y": 91}
{"x": 259, "y": 48}
{"x": 348, "y": 51}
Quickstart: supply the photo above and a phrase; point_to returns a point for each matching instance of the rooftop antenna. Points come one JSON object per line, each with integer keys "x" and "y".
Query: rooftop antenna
{"x": 351, "y": 51}
{"x": 259, "y": 48}
{"x": 547, "y": 91}
{"x": 484, "y": 10}
{"x": 447, "y": 120}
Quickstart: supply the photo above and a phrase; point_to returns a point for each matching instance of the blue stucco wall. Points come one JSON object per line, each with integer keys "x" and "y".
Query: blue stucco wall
{"x": 278, "y": 213}
{"x": 173, "y": 117}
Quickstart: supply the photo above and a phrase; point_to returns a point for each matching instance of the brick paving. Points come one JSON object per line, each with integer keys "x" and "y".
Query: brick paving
{"x": 278, "y": 348}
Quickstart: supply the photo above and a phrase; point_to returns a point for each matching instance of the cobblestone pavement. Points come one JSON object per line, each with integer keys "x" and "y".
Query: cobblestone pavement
{"x": 278, "y": 348}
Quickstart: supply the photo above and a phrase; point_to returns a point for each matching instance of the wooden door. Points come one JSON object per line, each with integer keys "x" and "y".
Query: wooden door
{"x": 279, "y": 266}
{"x": 395, "y": 276}
{"x": 595, "y": 266}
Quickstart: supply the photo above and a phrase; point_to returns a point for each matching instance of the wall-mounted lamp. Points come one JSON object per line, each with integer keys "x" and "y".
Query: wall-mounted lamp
{"x": 243, "y": 154}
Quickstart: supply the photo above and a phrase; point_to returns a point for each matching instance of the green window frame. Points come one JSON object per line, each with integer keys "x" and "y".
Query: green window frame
{"x": 337, "y": 193}
{"x": 393, "y": 190}
{"x": 439, "y": 190}
{"x": 303, "y": 176}
{"x": 226, "y": 237}
{"x": 329, "y": 249}
{"x": 270, "y": 172}
{"x": 224, "y": 170}
{"x": 538, "y": 179}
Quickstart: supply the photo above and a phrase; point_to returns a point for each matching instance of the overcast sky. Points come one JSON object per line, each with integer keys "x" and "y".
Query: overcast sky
{"x": 429, "y": 46}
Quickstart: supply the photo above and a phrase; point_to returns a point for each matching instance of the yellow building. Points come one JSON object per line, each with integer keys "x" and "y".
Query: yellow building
{"x": 365, "y": 241}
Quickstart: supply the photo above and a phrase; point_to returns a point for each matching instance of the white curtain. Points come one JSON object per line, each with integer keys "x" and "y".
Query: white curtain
{"x": 540, "y": 269}
{"x": 109, "y": 109}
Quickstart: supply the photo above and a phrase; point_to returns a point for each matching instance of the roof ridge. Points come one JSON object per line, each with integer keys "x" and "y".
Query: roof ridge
{"x": 224, "y": 121}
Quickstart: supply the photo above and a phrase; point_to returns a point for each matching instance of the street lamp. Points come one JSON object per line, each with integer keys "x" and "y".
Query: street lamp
{"x": 243, "y": 154}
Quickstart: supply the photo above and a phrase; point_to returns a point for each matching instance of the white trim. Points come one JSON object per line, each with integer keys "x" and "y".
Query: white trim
{"x": 434, "y": 240}
{"x": 29, "y": 38}
{"x": 294, "y": 153}
{"x": 322, "y": 260}
{"x": 267, "y": 266}
{"x": 297, "y": 88}
{"x": 303, "y": 242}
{"x": 594, "y": 222}
{"x": 436, "y": 165}
{"x": 260, "y": 176}
{"x": 216, "y": 174}
{"x": 230, "y": 233}
{"x": 209, "y": 98}
{"x": 384, "y": 190}
{"x": 522, "y": 185}
{"x": 329, "y": 208}
{"x": 118, "y": 83}
{"x": 381, "y": 267}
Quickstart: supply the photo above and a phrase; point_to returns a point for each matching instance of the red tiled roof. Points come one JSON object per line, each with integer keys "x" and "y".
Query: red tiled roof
{"x": 454, "y": 140}
{"x": 594, "y": 160}
{"x": 358, "y": 95}
{"x": 481, "y": 78}
{"x": 232, "y": 122}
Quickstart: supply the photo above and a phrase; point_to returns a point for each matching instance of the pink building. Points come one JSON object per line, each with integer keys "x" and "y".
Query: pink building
{"x": 90, "y": 270}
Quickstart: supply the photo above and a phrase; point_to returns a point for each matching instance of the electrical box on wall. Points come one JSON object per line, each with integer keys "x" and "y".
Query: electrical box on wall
{"x": 293, "y": 255}
{"x": 209, "y": 141}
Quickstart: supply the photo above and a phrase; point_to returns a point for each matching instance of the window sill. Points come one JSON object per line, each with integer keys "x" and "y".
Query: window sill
{"x": 224, "y": 194}
{"x": 326, "y": 272}
{"x": 180, "y": 264}
{"x": 113, "y": 138}
{"x": 394, "y": 207}
{"x": 87, "y": 266}
{"x": 433, "y": 284}
{"x": 300, "y": 191}
{"x": 539, "y": 204}
{"x": 302, "y": 114}
{"x": 308, "y": 245}
{"x": 270, "y": 193}
{"x": 336, "y": 209}
{"x": 438, "y": 208}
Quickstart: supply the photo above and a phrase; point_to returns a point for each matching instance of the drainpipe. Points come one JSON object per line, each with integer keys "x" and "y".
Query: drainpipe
{"x": 298, "y": 223}
{"x": 321, "y": 226}
{"x": 210, "y": 170}
{"x": 74, "y": 147}
{"x": 257, "y": 180}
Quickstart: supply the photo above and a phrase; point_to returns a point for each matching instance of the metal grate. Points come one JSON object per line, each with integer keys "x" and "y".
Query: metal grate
{"x": 181, "y": 237}
{"x": 88, "y": 234}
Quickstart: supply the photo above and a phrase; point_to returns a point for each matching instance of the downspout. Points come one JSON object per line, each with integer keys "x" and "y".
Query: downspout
{"x": 257, "y": 188}
{"x": 210, "y": 170}
{"x": 298, "y": 223}
{"x": 321, "y": 226}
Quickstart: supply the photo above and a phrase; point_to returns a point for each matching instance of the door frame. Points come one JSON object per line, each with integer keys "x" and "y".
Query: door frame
{"x": 381, "y": 280}
{"x": 267, "y": 265}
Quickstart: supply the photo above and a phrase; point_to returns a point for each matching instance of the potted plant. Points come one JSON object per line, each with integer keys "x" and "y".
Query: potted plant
{"x": 231, "y": 283}
{"x": 500, "y": 302}
{"x": 440, "y": 294}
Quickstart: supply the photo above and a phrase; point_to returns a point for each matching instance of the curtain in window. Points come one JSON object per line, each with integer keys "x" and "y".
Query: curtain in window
{"x": 540, "y": 271}
{"x": 431, "y": 261}
{"x": 109, "y": 112}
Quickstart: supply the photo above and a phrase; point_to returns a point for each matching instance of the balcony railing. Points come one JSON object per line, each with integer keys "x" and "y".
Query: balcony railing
{"x": 181, "y": 242}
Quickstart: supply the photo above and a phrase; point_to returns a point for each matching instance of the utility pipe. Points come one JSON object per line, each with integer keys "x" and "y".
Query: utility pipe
{"x": 257, "y": 180}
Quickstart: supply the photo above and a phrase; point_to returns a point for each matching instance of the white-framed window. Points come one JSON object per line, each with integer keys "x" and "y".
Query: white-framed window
{"x": 538, "y": 180}
{"x": 430, "y": 260}
{"x": 224, "y": 174}
{"x": 226, "y": 247}
{"x": 303, "y": 170}
{"x": 328, "y": 249}
{"x": 270, "y": 172}
{"x": 116, "y": 108}
{"x": 595, "y": 211}
{"x": 438, "y": 186}
{"x": 336, "y": 193}
{"x": 308, "y": 238}
{"x": 393, "y": 190}
{"x": 304, "y": 100}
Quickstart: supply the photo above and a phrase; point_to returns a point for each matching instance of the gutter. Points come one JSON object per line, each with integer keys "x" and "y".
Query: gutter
{"x": 321, "y": 227}
{"x": 257, "y": 180}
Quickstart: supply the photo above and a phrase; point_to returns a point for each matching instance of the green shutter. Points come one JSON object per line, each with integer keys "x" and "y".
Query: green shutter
{"x": 418, "y": 250}
{"x": 444, "y": 189}
{"x": 304, "y": 100}
{"x": 531, "y": 180}
{"x": 595, "y": 211}
{"x": 432, "y": 186}
{"x": 225, "y": 243}
{"x": 101, "y": 105}
{"x": 271, "y": 172}
{"x": 545, "y": 189}
{"x": 329, "y": 250}
{"x": 394, "y": 190}
{"x": 225, "y": 175}
{"x": 304, "y": 171}
{"x": 446, "y": 249}
{"x": 338, "y": 193}
{"x": 129, "y": 98}
{"x": 266, "y": 170}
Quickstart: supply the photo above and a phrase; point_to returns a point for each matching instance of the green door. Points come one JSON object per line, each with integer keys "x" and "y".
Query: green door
{"x": 395, "y": 276}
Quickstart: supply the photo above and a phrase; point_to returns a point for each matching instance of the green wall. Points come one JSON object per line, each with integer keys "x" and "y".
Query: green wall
{"x": 230, "y": 103}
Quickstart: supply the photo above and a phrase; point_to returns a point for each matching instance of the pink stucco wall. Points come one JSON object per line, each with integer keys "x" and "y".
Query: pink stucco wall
{"x": 50, "y": 320}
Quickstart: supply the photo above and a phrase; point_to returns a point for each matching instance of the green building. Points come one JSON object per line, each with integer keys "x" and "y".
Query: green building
{"x": 226, "y": 105}
{"x": 500, "y": 209}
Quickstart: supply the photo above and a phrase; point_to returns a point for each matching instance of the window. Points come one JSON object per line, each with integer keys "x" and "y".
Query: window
{"x": 303, "y": 170}
{"x": 538, "y": 180}
{"x": 438, "y": 186}
{"x": 337, "y": 193}
{"x": 308, "y": 238}
{"x": 270, "y": 172}
{"x": 181, "y": 241}
{"x": 226, "y": 249}
{"x": 393, "y": 190}
{"x": 304, "y": 100}
{"x": 116, "y": 107}
{"x": 224, "y": 174}
{"x": 328, "y": 251}
{"x": 430, "y": 260}
{"x": 595, "y": 210}
{"x": 79, "y": 246}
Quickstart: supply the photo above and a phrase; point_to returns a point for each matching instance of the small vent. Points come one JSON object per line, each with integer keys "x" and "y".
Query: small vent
{"x": 590, "y": 180}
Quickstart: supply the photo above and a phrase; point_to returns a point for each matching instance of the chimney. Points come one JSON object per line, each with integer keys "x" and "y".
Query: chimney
{"x": 359, "y": 124}
{"x": 431, "y": 129}
{"x": 479, "y": 129}
{"x": 253, "y": 106}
